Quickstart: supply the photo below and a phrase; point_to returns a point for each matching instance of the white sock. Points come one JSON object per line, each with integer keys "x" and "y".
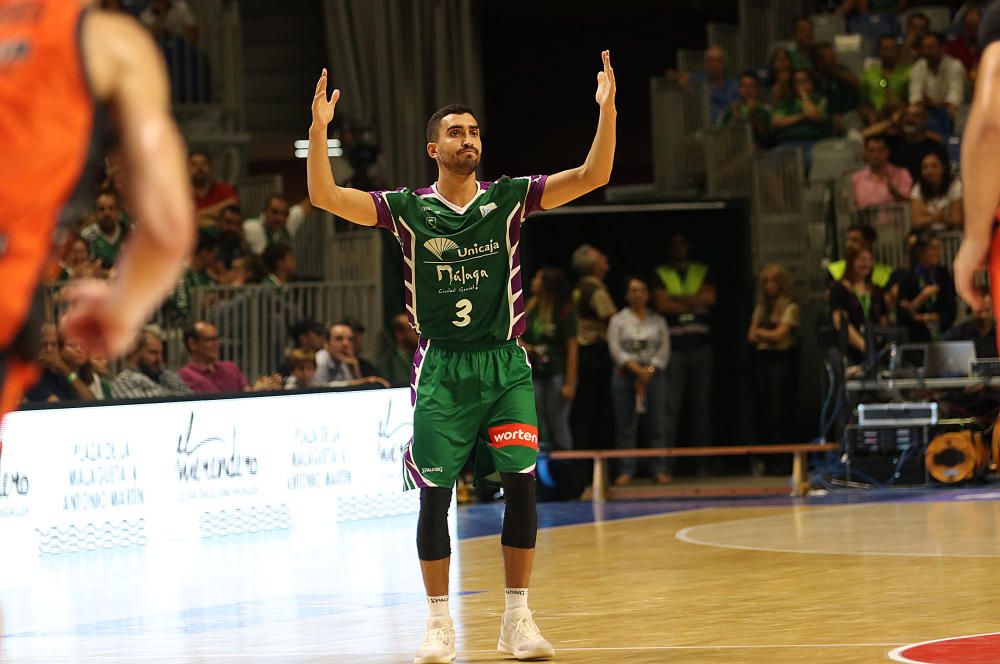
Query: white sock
{"x": 438, "y": 606}
{"x": 516, "y": 598}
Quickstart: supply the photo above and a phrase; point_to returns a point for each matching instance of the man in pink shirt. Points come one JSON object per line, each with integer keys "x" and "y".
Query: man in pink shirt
{"x": 880, "y": 182}
{"x": 205, "y": 373}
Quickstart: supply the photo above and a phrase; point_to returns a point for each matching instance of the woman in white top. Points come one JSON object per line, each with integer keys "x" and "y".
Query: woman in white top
{"x": 639, "y": 342}
{"x": 936, "y": 198}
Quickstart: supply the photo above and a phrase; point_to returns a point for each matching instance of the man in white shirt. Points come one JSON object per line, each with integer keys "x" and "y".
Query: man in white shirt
{"x": 277, "y": 224}
{"x": 937, "y": 80}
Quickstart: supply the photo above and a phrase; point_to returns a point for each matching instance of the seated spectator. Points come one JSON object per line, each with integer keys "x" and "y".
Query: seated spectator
{"x": 721, "y": 88}
{"x": 279, "y": 261}
{"x": 856, "y": 303}
{"x": 887, "y": 81}
{"x": 938, "y": 82}
{"x": 964, "y": 47}
{"x": 305, "y": 335}
{"x": 837, "y": 83}
{"x": 981, "y": 329}
{"x": 277, "y": 224}
{"x": 210, "y": 195}
{"x": 230, "y": 244}
{"x": 61, "y": 361}
{"x": 803, "y": 119}
{"x": 205, "y": 373}
{"x": 302, "y": 374}
{"x": 927, "y": 293}
{"x": 936, "y": 200}
{"x": 804, "y": 52}
{"x": 749, "y": 109}
{"x": 861, "y": 236}
{"x": 773, "y": 332}
{"x": 914, "y": 142}
{"x": 95, "y": 375}
{"x": 337, "y": 366}
{"x": 145, "y": 377}
{"x": 779, "y": 77}
{"x": 550, "y": 339}
{"x": 76, "y": 263}
{"x": 880, "y": 182}
{"x": 367, "y": 367}
{"x": 917, "y": 26}
{"x": 171, "y": 19}
{"x": 397, "y": 363}
{"x": 639, "y": 343}
{"x": 195, "y": 275}
{"x": 107, "y": 234}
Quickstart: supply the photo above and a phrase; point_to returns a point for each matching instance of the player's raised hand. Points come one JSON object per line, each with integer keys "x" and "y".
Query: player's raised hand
{"x": 322, "y": 108}
{"x": 605, "y": 84}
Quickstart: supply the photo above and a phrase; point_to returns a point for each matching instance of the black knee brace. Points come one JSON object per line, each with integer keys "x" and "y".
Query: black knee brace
{"x": 433, "y": 542}
{"x": 520, "y": 517}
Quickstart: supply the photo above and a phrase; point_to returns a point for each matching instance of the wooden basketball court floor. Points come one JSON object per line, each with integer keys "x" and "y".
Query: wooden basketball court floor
{"x": 841, "y": 579}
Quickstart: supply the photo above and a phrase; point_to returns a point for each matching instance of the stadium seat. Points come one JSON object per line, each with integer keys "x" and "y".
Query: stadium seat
{"x": 939, "y": 18}
{"x": 850, "y": 52}
{"x": 955, "y": 151}
{"x": 873, "y": 26}
{"x": 827, "y": 26}
{"x": 832, "y": 157}
{"x": 961, "y": 117}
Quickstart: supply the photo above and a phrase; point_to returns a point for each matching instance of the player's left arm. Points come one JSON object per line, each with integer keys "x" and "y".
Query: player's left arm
{"x": 563, "y": 187}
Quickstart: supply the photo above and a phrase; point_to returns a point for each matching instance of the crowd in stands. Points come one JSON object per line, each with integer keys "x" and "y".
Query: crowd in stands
{"x": 804, "y": 94}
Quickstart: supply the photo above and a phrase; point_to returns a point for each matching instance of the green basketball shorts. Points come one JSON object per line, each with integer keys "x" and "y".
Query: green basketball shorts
{"x": 470, "y": 397}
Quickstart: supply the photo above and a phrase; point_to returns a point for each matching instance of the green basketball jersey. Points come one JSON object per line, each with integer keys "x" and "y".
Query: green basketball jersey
{"x": 462, "y": 266}
{"x": 102, "y": 247}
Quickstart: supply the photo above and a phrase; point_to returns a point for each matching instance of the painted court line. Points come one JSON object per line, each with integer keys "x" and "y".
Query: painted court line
{"x": 898, "y": 656}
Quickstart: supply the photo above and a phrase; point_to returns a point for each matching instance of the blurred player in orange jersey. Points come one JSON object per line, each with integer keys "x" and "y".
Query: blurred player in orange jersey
{"x": 980, "y": 172}
{"x": 70, "y": 77}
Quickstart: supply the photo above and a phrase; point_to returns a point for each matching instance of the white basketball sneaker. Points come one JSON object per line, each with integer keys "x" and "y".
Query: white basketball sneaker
{"x": 439, "y": 643}
{"x": 520, "y": 637}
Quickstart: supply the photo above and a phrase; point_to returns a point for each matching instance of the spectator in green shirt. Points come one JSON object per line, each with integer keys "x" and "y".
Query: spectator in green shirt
{"x": 279, "y": 261}
{"x": 837, "y": 83}
{"x": 748, "y": 108}
{"x": 802, "y": 119}
{"x": 196, "y": 274}
{"x": 107, "y": 234}
{"x": 802, "y": 55}
{"x": 888, "y": 81}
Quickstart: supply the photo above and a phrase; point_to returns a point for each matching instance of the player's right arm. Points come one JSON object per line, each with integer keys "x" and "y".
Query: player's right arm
{"x": 980, "y": 176}
{"x": 126, "y": 72}
{"x": 350, "y": 204}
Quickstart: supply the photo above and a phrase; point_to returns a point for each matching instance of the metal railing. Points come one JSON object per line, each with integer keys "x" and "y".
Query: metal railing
{"x": 254, "y": 190}
{"x": 729, "y": 154}
{"x": 677, "y": 113}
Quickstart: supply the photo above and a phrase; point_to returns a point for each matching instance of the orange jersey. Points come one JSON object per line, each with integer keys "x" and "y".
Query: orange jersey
{"x": 47, "y": 123}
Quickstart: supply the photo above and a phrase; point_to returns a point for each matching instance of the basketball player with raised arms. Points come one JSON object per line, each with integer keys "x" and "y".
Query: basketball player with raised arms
{"x": 69, "y": 78}
{"x": 471, "y": 380}
{"x": 981, "y": 172}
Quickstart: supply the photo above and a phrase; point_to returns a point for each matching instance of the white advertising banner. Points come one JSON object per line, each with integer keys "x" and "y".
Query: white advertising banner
{"x": 92, "y": 477}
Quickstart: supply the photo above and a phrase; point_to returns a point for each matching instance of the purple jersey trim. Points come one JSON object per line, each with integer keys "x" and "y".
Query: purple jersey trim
{"x": 533, "y": 201}
{"x": 383, "y": 212}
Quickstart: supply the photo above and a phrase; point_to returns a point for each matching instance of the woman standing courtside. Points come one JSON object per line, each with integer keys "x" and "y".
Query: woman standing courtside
{"x": 550, "y": 339}
{"x": 773, "y": 334}
{"x": 639, "y": 342}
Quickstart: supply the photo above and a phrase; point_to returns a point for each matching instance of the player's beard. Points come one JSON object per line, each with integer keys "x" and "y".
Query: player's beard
{"x": 461, "y": 163}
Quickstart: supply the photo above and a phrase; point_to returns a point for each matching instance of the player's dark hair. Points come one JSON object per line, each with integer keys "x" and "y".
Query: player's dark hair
{"x": 435, "y": 119}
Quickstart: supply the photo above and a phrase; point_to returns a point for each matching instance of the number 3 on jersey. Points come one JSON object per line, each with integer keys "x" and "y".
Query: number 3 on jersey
{"x": 462, "y": 309}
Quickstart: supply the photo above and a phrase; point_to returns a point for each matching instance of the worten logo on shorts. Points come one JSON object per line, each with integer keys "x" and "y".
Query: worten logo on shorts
{"x": 514, "y": 434}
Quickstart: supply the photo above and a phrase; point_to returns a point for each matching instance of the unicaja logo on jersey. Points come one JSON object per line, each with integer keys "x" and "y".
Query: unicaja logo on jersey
{"x": 439, "y": 245}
